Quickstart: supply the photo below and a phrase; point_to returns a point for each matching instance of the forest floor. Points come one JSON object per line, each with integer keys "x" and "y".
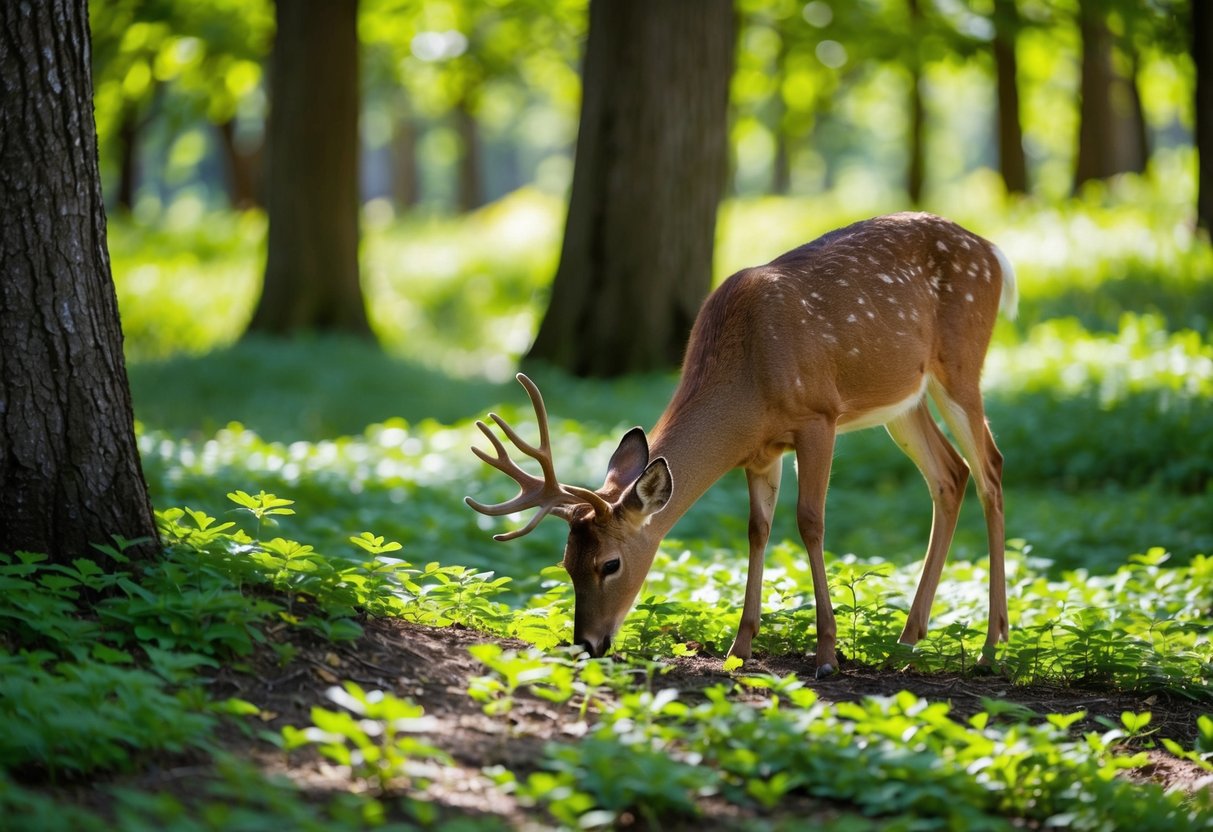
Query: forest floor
{"x": 432, "y": 667}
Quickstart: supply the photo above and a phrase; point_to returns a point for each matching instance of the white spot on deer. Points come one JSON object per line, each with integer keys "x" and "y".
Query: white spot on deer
{"x": 827, "y": 337}
{"x": 851, "y": 319}
{"x": 815, "y": 296}
{"x": 861, "y": 301}
{"x": 885, "y": 278}
{"x": 956, "y": 266}
{"x": 969, "y": 297}
{"x": 964, "y": 243}
{"x": 871, "y": 314}
{"x": 941, "y": 245}
{"x": 854, "y": 351}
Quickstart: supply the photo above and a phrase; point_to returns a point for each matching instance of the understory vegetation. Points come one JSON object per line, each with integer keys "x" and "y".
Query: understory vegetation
{"x": 269, "y": 671}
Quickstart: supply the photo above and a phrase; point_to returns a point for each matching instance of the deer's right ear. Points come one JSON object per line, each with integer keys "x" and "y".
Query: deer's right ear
{"x": 627, "y": 463}
{"x": 649, "y": 494}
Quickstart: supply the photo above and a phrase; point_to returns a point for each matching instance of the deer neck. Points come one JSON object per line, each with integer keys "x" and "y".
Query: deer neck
{"x": 699, "y": 452}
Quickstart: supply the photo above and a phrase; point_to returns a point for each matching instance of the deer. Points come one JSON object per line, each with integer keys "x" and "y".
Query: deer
{"x": 860, "y": 328}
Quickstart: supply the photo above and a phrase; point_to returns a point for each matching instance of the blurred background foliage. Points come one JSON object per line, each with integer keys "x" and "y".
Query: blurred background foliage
{"x": 1099, "y": 393}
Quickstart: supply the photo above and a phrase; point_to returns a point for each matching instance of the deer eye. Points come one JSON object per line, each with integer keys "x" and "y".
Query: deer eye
{"x": 610, "y": 567}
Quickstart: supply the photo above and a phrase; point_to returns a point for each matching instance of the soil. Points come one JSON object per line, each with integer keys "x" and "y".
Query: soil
{"x": 432, "y": 666}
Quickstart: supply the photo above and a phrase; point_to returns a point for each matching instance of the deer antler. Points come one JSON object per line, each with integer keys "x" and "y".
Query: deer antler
{"x": 548, "y": 494}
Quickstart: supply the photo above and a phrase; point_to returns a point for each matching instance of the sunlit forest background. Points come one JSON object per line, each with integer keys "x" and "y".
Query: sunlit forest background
{"x": 468, "y": 121}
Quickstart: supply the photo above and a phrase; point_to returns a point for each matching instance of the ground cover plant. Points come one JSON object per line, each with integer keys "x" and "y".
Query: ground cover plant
{"x": 333, "y": 641}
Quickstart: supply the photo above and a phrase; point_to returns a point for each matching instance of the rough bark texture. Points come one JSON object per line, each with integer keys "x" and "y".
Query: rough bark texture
{"x": 651, "y": 167}
{"x": 69, "y": 466}
{"x": 1202, "y": 57}
{"x": 311, "y": 272}
{"x": 1112, "y": 130}
{"x": 1012, "y": 163}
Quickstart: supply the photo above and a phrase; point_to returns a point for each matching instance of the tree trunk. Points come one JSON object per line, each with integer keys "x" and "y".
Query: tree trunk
{"x": 1012, "y": 163}
{"x": 406, "y": 173}
{"x": 1111, "y": 137}
{"x": 471, "y": 186}
{"x": 243, "y": 169}
{"x": 781, "y": 171}
{"x": 916, "y": 166}
{"x": 311, "y": 272}
{"x": 652, "y": 156}
{"x": 69, "y": 465}
{"x": 1202, "y": 57}
{"x": 128, "y": 157}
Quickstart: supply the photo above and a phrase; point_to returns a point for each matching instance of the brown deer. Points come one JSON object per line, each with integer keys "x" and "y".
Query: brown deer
{"x": 856, "y": 329}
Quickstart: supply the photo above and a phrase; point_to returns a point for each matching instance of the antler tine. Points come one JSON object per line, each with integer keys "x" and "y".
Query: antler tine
{"x": 546, "y": 494}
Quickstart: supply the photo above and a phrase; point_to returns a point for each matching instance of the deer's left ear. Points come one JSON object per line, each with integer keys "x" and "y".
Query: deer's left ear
{"x": 649, "y": 494}
{"x": 627, "y": 463}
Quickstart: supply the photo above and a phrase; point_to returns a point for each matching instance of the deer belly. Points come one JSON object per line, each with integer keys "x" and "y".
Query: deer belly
{"x": 864, "y": 416}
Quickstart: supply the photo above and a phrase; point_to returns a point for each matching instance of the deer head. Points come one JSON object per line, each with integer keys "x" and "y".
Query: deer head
{"x": 611, "y": 545}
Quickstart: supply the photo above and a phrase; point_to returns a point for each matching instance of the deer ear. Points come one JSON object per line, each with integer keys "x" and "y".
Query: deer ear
{"x": 649, "y": 494}
{"x": 628, "y": 462}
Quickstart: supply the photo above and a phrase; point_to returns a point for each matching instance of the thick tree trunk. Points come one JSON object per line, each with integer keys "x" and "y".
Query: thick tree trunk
{"x": 69, "y": 465}
{"x": 1112, "y": 131}
{"x": 652, "y": 155}
{"x": 1202, "y": 57}
{"x": 1012, "y": 163}
{"x": 311, "y": 272}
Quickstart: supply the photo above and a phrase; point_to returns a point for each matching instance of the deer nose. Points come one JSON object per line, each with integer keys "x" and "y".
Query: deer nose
{"x": 595, "y": 649}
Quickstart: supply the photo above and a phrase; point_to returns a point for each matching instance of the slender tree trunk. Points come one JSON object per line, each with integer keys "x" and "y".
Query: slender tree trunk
{"x": 471, "y": 185}
{"x": 243, "y": 169}
{"x": 781, "y": 173}
{"x": 1202, "y": 57}
{"x": 1012, "y": 162}
{"x": 652, "y": 154}
{"x": 916, "y": 165}
{"x": 406, "y": 173}
{"x": 311, "y": 272}
{"x": 69, "y": 465}
{"x": 1111, "y": 136}
{"x": 128, "y": 158}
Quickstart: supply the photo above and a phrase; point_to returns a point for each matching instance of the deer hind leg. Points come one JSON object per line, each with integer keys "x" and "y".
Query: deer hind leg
{"x": 764, "y": 491}
{"x": 916, "y": 433}
{"x": 963, "y": 412}
{"x": 814, "y": 452}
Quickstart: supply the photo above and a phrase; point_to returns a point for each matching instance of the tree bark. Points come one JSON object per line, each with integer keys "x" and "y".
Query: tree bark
{"x": 311, "y": 272}
{"x": 652, "y": 156}
{"x": 1111, "y": 137}
{"x": 1202, "y": 57}
{"x": 69, "y": 465}
{"x": 1012, "y": 162}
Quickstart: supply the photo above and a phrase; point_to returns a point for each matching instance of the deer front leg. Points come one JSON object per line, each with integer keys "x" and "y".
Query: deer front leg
{"x": 814, "y": 452}
{"x": 764, "y": 491}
